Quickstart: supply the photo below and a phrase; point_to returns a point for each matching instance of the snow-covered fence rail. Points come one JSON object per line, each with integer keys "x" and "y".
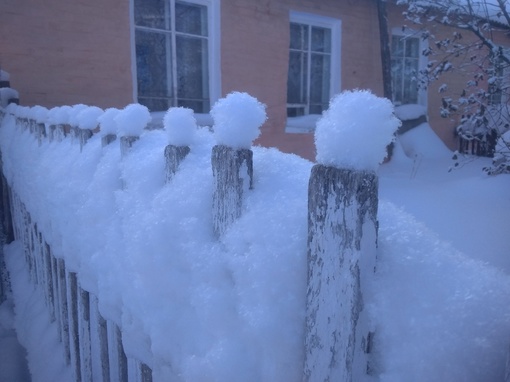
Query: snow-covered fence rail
{"x": 180, "y": 295}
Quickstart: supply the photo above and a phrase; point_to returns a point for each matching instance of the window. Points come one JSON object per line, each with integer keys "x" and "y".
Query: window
{"x": 406, "y": 63}
{"x": 314, "y": 64}
{"x": 173, "y": 48}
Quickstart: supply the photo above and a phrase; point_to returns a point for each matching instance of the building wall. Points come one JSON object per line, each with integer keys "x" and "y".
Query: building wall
{"x": 61, "y": 52}
{"x": 255, "y": 49}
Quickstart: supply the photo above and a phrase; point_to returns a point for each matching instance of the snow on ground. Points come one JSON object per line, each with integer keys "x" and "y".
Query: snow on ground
{"x": 234, "y": 309}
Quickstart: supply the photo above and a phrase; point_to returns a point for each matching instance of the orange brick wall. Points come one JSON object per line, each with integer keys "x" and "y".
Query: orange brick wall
{"x": 254, "y": 58}
{"x": 66, "y": 52}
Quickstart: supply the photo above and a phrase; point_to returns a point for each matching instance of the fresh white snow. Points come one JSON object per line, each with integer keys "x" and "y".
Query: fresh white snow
{"x": 237, "y": 119}
{"x": 199, "y": 309}
{"x": 180, "y": 125}
{"x": 355, "y": 131}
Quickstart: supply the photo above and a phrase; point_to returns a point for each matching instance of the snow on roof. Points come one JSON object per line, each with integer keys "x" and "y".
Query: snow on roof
{"x": 132, "y": 120}
{"x": 237, "y": 120}
{"x": 181, "y": 126}
{"x": 355, "y": 130}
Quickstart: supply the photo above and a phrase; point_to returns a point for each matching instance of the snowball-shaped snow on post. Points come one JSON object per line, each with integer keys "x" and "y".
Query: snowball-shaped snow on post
{"x": 73, "y": 119}
{"x": 58, "y": 119}
{"x": 355, "y": 131}
{"x": 107, "y": 126}
{"x": 237, "y": 121}
{"x": 181, "y": 126}
{"x": 38, "y": 117}
{"x": 131, "y": 121}
{"x": 351, "y": 140}
{"x": 87, "y": 122}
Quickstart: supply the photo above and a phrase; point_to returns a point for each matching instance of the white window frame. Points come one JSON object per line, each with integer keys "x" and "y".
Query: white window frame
{"x": 214, "y": 45}
{"x": 306, "y": 123}
{"x": 422, "y": 60}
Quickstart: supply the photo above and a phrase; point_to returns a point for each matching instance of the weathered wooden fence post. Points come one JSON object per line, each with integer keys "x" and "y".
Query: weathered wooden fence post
{"x": 342, "y": 235}
{"x": 181, "y": 126}
{"x": 87, "y": 122}
{"x": 237, "y": 121}
{"x": 131, "y": 121}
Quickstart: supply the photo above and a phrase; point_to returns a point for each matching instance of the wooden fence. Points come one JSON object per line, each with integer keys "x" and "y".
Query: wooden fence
{"x": 342, "y": 241}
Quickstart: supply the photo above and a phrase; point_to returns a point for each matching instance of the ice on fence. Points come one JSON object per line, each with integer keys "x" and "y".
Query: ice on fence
{"x": 88, "y": 117}
{"x": 181, "y": 126}
{"x": 237, "y": 120}
{"x": 132, "y": 120}
{"x": 107, "y": 122}
{"x": 355, "y": 131}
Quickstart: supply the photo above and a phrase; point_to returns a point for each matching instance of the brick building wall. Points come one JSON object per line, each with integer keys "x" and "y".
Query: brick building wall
{"x": 255, "y": 54}
{"x": 66, "y": 52}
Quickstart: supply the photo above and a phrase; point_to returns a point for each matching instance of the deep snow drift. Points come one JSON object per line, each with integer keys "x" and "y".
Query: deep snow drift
{"x": 198, "y": 309}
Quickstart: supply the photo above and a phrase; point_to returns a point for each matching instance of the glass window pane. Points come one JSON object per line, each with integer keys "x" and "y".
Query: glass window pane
{"x": 191, "y": 18}
{"x": 297, "y": 78}
{"x": 298, "y": 36}
{"x": 192, "y": 70}
{"x": 152, "y": 13}
{"x": 152, "y": 64}
{"x": 397, "y": 74}
{"x": 155, "y": 104}
{"x": 412, "y": 47}
{"x": 410, "y": 83}
{"x": 320, "y": 74}
{"x": 397, "y": 46}
{"x": 321, "y": 40}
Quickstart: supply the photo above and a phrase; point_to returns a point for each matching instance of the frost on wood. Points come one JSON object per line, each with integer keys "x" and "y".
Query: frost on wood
{"x": 233, "y": 176}
{"x": 355, "y": 131}
{"x": 174, "y": 155}
{"x": 342, "y": 235}
{"x": 237, "y": 120}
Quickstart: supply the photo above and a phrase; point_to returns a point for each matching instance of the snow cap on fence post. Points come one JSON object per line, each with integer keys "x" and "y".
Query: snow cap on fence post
{"x": 58, "y": 118}
{"x": 39, "y": 116}
{"x": 107, "y": 126}
{"x": 73, "y": 120}
{"x": 351, "y": 140}
{"x": 131, "y": 121}
{"x": 181, "y": 127}
{"x": 355, "y": 131}
{"x": 87, "y": 121}
{"x": 237, "y": 121}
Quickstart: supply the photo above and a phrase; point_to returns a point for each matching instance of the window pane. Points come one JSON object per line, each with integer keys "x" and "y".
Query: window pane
{"x": 192, "y": 71}
{"x": 397, "y": 76}
{"x": 191, "y": 18}
{"x": 319, "y": 83}
{"x": 321, "y": 40}
{"x": 152, "y": 64}
{"x": 155, "y": 104}
{"x": 397, "y": 46}
{"x": 410, "y": 84}
{"x": 152, "y": 13}
{"x": 298, "y": 36}
{"x": 297, "y": 78}
{"x": 412, "y": 47}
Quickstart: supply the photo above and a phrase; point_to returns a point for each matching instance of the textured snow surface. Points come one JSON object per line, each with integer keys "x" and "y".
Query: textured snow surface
{"x": 234, "y": 308}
